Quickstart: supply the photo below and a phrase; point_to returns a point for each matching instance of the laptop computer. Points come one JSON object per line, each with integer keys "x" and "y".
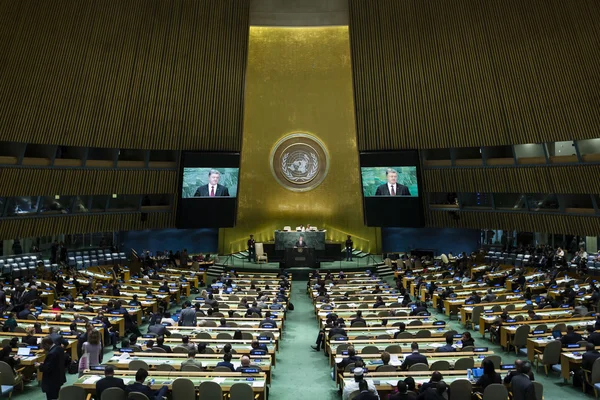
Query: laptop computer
{"x": 24, "y": 351}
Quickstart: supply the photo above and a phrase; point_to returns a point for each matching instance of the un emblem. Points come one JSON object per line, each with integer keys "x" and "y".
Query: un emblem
{"x": 299, "y": 162}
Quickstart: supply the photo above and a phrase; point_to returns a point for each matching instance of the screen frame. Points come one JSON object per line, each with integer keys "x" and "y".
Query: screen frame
{"x": 392, "y": 158}
{"x": 207, "y": 159}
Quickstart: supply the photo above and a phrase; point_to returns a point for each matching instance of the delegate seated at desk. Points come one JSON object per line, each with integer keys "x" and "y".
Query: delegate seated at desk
{"x": 300, "y": 243}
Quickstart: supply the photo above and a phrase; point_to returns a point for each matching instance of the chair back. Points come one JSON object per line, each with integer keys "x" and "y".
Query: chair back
{"x": 158, "y": 350}
{"x": 224, "y": 335}
{"x": 247, "y": 336}
{"x": 241, "y": 391}
{"x": 71, "y": 393}
{"x": 358, "y": 324}
{"x": 183, "y": 389}
{"x": 259, "y": 249}
{"x": 386, "y": 368}
{"x": 113, "y": 393}
{"x": 463, "y": 364}
{"x": 349, "y": 367}
{"x": 539, "y": 390}
{"x": 341, "y": 347}
{"x": 423, "y": 333}
{"x": 542, "y": 327}
{"x": 165, "y": 367}
{"x": 468, "y": 348}
{"x": 180, "y": 350}
{"x": 497, "y": 360}
{"x": 419, "y": 367}
{"x": 210, "y": 390}
{"x": 495, "y": 391}
{"x": 134, "y": 365}
{"x": 221, "y": 369}
{"x": 521, "y": 335}
{"x": 476, "y": 314}
{"x": 384, "y": 336}
{"x": 415, "y": 322}
{"x": 595, "y": 372}
{"x": 203, "y": 335}
{"x": 353, "y": 394}
{"x": 461, "y": 389}
{"x": 405, "y": 335}
{"x": 137, "y": 396}
{"x": 510, "y": 307}
{"x": 552, "y": 353}
{"x": 370, "y": 350}
{"x": 560, "y": 327}
{"x": 7, "y": 375}
{"x": 192, "y": 368}
{"x": 440, "y": 365}
{"x": 393, "y": 349}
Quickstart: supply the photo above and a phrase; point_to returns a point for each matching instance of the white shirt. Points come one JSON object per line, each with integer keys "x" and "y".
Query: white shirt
{"x": 353, "y": 386}
{"x": 392, "y": 185}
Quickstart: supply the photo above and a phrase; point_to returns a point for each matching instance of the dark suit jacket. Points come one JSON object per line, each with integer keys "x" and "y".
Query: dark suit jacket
{"x": 588, "y": 358}
{"x": 303, "y": 244}
{"x": 412, "y": 359}
{"x": 430, "y": 394}
{"x": 383, "y": 190}
{"x": 594, "y": 338}
{"x": 522, "y": 388}
{"x": 53, "y": 369}
{"x": 140, "y": 387}
{"x": 106, "y": 383}
{"x": 487, "y": 380}
{"x": 159, "y": 330}
{"x": 220, "y": 192}
{"x": 570, "y": 338}
{"x": 446, "y": 348}
{"x": 366, "y": 395}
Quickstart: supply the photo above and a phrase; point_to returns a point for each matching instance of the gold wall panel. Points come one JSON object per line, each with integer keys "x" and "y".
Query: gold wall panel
{"x": 576, "y": 179}
{"x": 439, "y": 73}
{"x": 299, "y": 80}
{"x": 73, "y": 224}
{"x": 65, "y": 181}
{"x": 566, "y": 224}
{"x": 148, "y": 74}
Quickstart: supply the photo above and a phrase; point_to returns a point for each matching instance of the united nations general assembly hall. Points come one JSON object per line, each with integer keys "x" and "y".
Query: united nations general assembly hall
{"x": 299, "y": 199}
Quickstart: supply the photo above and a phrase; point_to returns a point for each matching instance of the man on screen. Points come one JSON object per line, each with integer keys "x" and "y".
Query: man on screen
{"x": 392, "y": 187}
{"x": 212, "y": 189}
{"x": 300, "y": 243}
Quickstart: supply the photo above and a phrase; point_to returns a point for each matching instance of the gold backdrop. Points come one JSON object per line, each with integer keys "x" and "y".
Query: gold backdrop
{"x": 299, "y": 80}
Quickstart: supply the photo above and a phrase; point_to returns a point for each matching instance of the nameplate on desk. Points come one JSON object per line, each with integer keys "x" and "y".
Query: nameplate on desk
{"x": 511, "y": 320}
{"x": 457, "y": 336}
{"x": 572, "y": 346}
{"x": 488, "y": 311}
{"x": 300, "y": 258}
{"x": 507, "y": 367}
{"x": 148, "y": 336}
{"x": 126, "y": 350}
{"x": 341, "y": 338}
{"x": 439, "y": 323}
{"x": 480, "y": 349}
{"x": 468, "y": 303}
{"x": 539, "y": 332}
{"x": 115, "y": 312}
{"x": 264, "y": 338}
{"x": 564, "y": 306}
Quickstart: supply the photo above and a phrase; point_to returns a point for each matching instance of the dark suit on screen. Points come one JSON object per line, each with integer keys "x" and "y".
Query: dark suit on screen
{"x": 298, "y": 244}
{"x": 220, "y": 191}
{"x": 522, "y": 388}
{"x": 384, "y": 190}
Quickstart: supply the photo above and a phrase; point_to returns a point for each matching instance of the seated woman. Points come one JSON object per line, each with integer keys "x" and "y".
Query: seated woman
{"x": 489, "y": 375}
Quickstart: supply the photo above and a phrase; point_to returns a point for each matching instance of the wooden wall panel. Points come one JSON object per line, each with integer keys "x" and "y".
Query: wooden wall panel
{"x": 574, "y": 179}
{"x": 567, "y": 224}
{"x": 147, "y": 74}
{"x": 438, "y": 74}
{"x": 65, "y": 181}
{"x": 73, "y": 224}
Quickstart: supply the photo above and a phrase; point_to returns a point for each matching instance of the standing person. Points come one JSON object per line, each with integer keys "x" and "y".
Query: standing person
{"x": 184, "y": 258}
{"x": 53, "y": 368}
{"x": 63, "y": 253}
{"x": 522, "y": 387}
{"x": 53, "y": 253}
{"x": 251, "y": 248}
{"x": 349, "y": 247}
{"x": 93, "y": 349}
{"x": 188, "y": 315}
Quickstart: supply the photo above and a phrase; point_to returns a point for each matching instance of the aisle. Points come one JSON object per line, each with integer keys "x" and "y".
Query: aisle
{"x": 301, "y": 372}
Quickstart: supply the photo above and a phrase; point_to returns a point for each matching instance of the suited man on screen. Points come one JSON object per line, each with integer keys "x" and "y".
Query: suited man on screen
{"x": 392, "y": 187}
{"x": 212, "y": 189}
{"x": 300, "y": 243}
